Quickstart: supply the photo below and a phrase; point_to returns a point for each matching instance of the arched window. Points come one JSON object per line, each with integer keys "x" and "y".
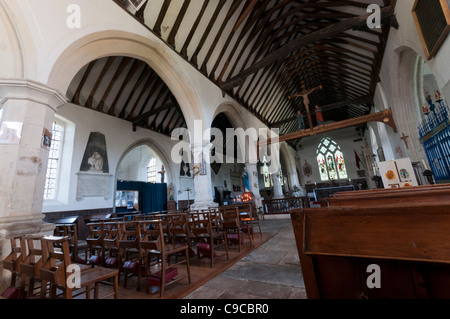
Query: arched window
{"x": 330, "y": 160}
{"x": 54, "y": 161}
{"x": 151, "y": 171}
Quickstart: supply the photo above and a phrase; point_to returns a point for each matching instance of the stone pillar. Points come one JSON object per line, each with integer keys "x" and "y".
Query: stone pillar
{"x": 23, "y": 164}
{"x": 252, "y": 170}
{"x": 370, "y": 163}
{"x": 277, "y": 188}
{"x": 202, "y": 181}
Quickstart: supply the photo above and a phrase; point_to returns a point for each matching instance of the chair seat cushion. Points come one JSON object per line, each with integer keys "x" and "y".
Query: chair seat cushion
{"x": 112, "y": 262}
{"x": 95, "y": 260}
{"x": 235, "y": 238}
{"x": 11, "y": 293}
{"x": 154, "y": 280}
{"x": 131, "y": 266}
{"x": 205, "y": 249}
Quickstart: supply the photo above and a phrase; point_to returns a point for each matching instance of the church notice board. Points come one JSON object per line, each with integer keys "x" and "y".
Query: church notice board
{"x": 128, "y": 199}
{"x": 432, "y": 18}
{"x": 398, "y": 173}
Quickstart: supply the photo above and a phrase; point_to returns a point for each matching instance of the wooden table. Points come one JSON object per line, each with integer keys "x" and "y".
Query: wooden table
{"x": 95, "y": 276}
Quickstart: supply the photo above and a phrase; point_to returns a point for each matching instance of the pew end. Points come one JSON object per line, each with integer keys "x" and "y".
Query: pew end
{"x": 409, "y": 244}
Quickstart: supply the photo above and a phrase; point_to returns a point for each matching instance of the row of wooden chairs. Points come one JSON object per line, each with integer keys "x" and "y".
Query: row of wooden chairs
{"x": 121, "y": 244}
{"x": 47, "y": 260}
{"x": 138, "y": 247}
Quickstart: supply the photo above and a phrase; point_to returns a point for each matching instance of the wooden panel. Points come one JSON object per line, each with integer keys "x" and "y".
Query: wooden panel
{"x": 409, "y": 244}
{"x": 435, "y": 195}
{"x": 410, "y": 233}
{"x": 432, "y": 19}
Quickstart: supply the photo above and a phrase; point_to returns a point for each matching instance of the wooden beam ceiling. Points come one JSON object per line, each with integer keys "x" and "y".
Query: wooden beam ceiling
{"x": 258, "y": 52}
{"x": 128, "y": 89}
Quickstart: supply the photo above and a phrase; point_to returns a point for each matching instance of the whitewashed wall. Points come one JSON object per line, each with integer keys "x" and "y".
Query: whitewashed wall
{"x": 120, "y": 139}
{"x": 345, "y": 139}
{"x": 396, "y": 89}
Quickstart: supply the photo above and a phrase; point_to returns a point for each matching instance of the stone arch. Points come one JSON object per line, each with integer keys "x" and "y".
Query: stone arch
{"x": 405, "y": 99}
{"x": 234, "y": 112}
{"x": 168, "y": 163}
{"x": 236, "y": 116}
{"x": 291, "y": 165}
{"x": 107, "y": 43}
{"x": 12, "y": 60}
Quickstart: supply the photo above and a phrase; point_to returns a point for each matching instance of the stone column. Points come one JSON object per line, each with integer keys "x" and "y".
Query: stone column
{"x": 23, "y": 163}
{"x": 370, "y": 163}
{"x": 252, "y": 170}
{"x": 277, "y": 188}
{"x": 202, "y": 181}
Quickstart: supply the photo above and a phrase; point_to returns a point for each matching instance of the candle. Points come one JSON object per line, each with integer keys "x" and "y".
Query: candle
{"x": 425, "y": 165}
{"x": 374, "y": 170}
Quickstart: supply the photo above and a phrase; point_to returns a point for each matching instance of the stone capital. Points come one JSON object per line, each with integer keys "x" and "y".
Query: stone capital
{"x": 22, "y": 89}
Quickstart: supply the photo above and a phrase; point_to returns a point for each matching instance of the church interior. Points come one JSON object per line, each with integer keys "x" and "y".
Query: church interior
{"x": 168, "y": 148}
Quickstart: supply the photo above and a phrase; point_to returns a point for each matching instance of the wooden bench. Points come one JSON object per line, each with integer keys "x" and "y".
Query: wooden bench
{"x": 424, "y": 195}
{"x": 410, "y": 244}
{"x": 392, "y": 190}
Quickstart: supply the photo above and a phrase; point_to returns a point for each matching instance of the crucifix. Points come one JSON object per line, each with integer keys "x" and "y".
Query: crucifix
{"x": 404, "y": 138}
{"x": 305, "y": 94}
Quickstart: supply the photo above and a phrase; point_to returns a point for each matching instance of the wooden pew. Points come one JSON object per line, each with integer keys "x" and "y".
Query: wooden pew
{"x": 391, "y": 190}
{"x": 410, "y": 244}
{"x": 425, "y": 195}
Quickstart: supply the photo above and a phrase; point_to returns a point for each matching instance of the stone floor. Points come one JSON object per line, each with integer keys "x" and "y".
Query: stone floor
{"x": 272, "y": 271}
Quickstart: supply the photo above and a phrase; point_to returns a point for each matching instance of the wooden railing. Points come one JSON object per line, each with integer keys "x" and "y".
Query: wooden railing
{"x": 284, "y": 205}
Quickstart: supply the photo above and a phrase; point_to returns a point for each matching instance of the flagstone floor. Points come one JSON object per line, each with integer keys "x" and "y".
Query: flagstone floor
{"x": 272, "y": 271}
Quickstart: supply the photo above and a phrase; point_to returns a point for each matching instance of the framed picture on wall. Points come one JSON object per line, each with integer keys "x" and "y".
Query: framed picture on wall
{"x": 46, "y": 141}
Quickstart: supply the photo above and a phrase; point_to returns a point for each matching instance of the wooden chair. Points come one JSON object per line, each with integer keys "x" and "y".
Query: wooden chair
{"x": 249, "y": 217}
{"x": 152, "y": 244}
{"x": 56, "y": 272}
{"x": 95, "y": 243}
{"x": 129, "y": 251}
{"x": 15, "y": 258}
{"x": 231, "y": 223}
{"x": 179, "y": 229}
{"x": 31, "y": 264}
{"x": 71, "y": 231}
{"x": 206, "y": 236}
{"x": 111, "y": 245}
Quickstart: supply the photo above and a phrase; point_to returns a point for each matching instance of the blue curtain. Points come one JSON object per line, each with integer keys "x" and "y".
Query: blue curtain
{"x": 152, "y": 197}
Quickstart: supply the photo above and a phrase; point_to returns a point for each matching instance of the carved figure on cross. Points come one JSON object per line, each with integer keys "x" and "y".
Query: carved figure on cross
{"x": 305, "y": 95}
{"x": 405, "y": 140}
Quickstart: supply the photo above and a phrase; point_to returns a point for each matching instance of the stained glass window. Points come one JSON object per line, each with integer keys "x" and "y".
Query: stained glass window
{"x": 330, "y": 160}
{"x": 54, "y": 161}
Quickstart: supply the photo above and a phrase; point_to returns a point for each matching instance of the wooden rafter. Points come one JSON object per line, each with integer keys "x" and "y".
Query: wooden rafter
{"x": 299, "y": 43}
{"x": 224, "y": 39}
{"x": 385, "y": 117}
